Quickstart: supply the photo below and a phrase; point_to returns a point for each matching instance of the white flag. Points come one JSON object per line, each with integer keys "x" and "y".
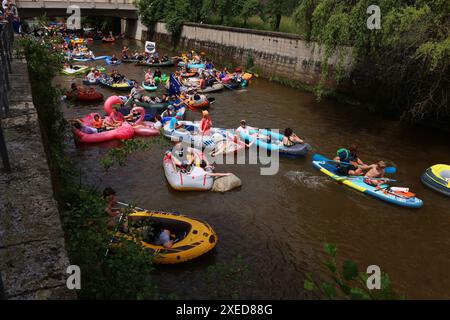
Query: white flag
{"x": 150, "y": 47}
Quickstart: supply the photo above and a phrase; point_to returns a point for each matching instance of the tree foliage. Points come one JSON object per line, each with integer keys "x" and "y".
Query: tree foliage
{"x": 348, "y": 281}
{"x": 404, "y": 65}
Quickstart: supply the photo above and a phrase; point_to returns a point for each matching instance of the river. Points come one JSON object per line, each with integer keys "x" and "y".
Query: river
{"x": 278, "y": 224}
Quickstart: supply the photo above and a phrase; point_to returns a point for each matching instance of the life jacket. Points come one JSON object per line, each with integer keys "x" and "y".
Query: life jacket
{"x": 97, "y": 123}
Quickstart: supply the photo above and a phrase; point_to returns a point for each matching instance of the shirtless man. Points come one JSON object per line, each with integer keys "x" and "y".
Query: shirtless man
{"x": 375, "y": 171}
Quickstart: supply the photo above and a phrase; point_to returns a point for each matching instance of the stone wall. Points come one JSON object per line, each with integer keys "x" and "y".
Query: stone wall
{"x": 33, "y": 258}
{"x": 277, "y": 54}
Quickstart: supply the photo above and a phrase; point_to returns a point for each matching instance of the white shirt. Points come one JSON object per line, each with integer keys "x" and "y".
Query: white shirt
{"x": 157, "y": 125}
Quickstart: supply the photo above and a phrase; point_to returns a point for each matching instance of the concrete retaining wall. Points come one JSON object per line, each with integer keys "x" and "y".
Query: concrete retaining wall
{"x": 277, "y": 54}
{"x": 33, "y": 257}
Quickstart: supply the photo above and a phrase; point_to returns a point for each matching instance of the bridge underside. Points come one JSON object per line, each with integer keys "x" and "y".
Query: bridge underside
{"x": 26, "y": 13}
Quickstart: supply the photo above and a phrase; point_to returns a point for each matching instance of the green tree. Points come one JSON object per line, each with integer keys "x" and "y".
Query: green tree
{"x": 275, "y": 9}
{"x": 249, "y": 8}
{"x": 151, "y": 11}
{"x": 404, "y": 66}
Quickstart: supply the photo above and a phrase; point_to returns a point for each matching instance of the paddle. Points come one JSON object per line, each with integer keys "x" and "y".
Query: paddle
{"x": 129, "y": 205}
{"x": 114, "y": 233}
{"x": 368, "y": 178}
{"x": 389, "y": 170}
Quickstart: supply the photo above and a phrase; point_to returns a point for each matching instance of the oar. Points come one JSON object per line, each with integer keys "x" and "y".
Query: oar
{"x": 368, "y": 178}
{"x": 389, "y": 170}
{"x": 114, "y": 233}
{"x": 129, "y": 205}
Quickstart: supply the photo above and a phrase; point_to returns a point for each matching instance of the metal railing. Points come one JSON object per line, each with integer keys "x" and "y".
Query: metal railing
{"x": 6, "y": 41}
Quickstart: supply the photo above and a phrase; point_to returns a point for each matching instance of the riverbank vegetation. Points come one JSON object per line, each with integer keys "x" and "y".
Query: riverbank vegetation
{"x": 122, "y": 275}
{"x": 347, "y": 282}
{"x": 403, "y": 67}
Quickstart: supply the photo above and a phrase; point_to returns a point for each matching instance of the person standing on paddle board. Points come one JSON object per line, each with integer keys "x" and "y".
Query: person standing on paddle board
{"x": 353, "y": 164}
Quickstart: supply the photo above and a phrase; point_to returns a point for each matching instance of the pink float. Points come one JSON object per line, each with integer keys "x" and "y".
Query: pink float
{"x": 124, "y": 132}
{"x": 141, "y": 127}
{"x": 110, "y": 102}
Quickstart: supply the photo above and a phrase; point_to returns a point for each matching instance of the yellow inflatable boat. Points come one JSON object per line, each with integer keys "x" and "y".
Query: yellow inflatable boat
{"x": 437, "y": 178}
{"x": 191, "y": 237}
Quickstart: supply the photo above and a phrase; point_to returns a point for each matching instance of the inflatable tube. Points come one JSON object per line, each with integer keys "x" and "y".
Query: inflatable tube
{"x": 194, "y": 180}
{"x": 149, "y": 87}
{"x": 437, "y": 178}
{"x": 163, "y": 78}
{"x": 109, "y": 40}
{"x": 295, "y": 151}
{"x": 142, "y": 128}
{"x": 129, "y": 60}
{"x": 90, "y": 83}
{"x": 192, "y": 65}
{"x": 124, "y": 132}
{"x": 88, "y": 96}
{"x": 77, "y": 70}
{"x": 124, "y": 86}
{"x": 110, "y": 102}
{"x": 194, "y": 237}
{"x": 202, "y": 103}
{"x": 108, "y": 62}
{"x": 247, "y": 76}
{"x": 168, "y": 63}
{"x": 323, "y": 165}
{"x": 214, "y": 88}
{"x": 189, "y": 74}
{"x": 192, "y": 135}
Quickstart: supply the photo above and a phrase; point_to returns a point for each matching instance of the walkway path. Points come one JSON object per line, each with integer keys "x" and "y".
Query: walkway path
{"x": 33, "y": 258}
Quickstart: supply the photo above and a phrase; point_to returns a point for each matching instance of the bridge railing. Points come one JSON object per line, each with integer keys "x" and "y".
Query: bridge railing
{"x": 6, "y": 41}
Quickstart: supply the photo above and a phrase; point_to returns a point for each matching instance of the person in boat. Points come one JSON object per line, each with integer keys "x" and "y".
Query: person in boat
{"x": 202, "y": 82}
{"x": 375, "y": 174}
{"x": 244, "y": 128}
{"x": 77, "y": 124}
{"x": 171, "y": 112}
{"x": 164, "y": 239}
{"x": 164, "y": 98}
{"x": 209, "y": 65}
{"x": 158, "y": 122}
{"x": 225, "y": 145}
{"x": 115, "y": 117}
{"x": 165, "y": 58}
{"x": 91, "y": 76}
{"x": 125, "y": 52}
{"x": 149, "y": 80}
{"x": 114, "y": 59}
{"x": 290, "y": 138}
{"x": 133, "y": 116}
{"x": 176, "y": 102}
{"x": 353, "y": 164}
{"x": 205, "y": 123}
{"x": 157, "y": 73}
{"x": 116, "y": 77}
{"x": 174, "y": 124}
{"x": 136, "y": 93}
{"x": 153, "y": 100}
{"x": 109, "y": 194}
{"x": 98, "y": 123}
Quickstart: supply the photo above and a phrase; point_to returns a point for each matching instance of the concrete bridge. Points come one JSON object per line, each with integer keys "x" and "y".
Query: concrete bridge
{"x": 123, "y": 10}
{"x": 58, "y": 8}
